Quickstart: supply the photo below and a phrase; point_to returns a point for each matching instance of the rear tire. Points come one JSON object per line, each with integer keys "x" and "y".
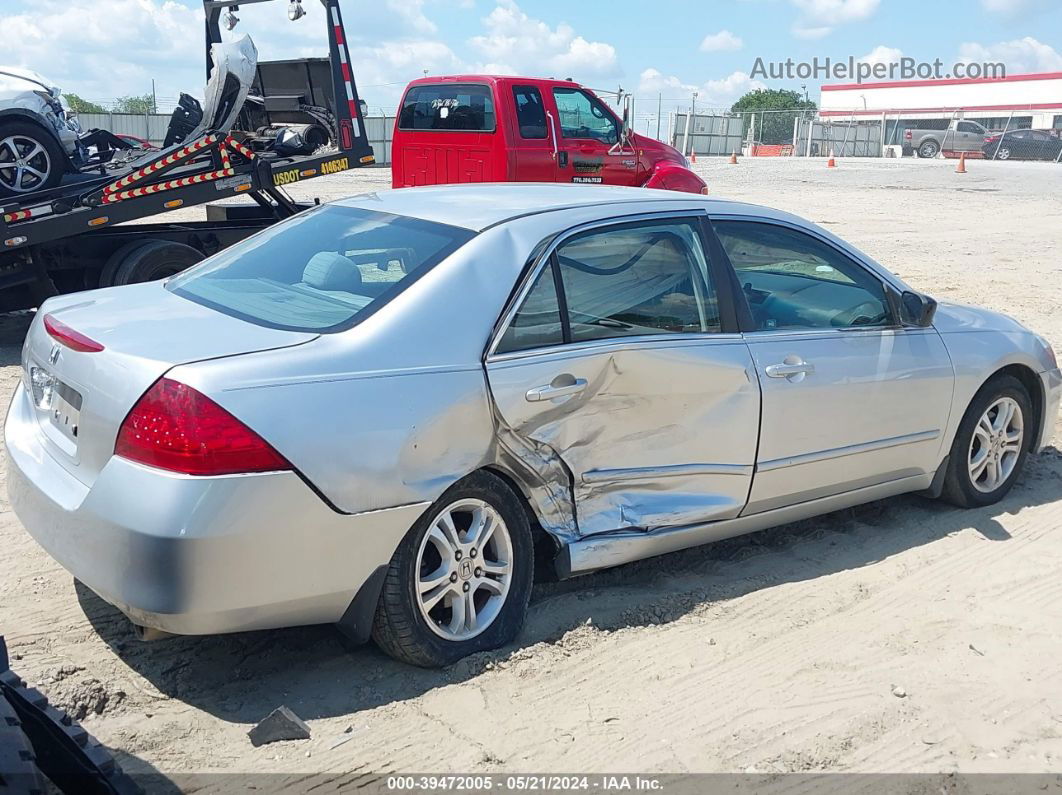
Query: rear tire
{"x": 991, "y": 444}
{"x": 153, "y": 260}
{"x": 929, "y": 149}
{"x": 425, "y": 624}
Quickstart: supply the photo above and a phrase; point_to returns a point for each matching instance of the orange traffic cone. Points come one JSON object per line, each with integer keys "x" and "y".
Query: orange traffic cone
{"x": 961, "y": 168}
{"x": 733, "y": 158}
{"x": 693, "y": 157}
{"x": 831, "y": 163}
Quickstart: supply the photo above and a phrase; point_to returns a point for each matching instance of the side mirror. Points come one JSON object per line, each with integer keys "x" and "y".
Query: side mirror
{"x": 916, "y": 309}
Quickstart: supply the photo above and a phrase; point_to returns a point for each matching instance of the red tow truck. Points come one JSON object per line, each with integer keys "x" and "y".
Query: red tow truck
{"x": 483, "y": 128}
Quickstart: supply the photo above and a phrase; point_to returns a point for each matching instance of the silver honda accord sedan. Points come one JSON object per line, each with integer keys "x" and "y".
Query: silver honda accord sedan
{"x": 383, "y": 412}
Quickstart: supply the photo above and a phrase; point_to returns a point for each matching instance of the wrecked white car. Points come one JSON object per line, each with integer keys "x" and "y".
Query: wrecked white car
{"x": 39, "y": 137}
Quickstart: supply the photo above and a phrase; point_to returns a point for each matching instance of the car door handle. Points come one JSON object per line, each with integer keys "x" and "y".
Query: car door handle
{"x": 788, "y": 369}
{"x": 561, "y": 386}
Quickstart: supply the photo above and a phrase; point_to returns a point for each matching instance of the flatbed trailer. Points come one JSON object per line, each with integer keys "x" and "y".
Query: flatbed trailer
{"x": 78, "y": 236}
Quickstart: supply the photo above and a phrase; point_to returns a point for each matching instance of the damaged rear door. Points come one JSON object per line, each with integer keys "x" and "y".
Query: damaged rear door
{"x": 618, "y": 361}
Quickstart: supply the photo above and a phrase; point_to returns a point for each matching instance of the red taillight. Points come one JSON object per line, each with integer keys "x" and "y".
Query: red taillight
{"x": 175, "y": 427}
{"x": 908, "y": 134}
{"x": 992, "y": 139}
{"x": 74, "y": 340}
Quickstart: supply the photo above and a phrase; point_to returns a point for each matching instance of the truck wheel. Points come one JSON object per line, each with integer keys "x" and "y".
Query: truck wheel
{"x": 991, "y": 444}
{"x": 154, "y": 259}
{"x": 460, "y": 580}
{"x": 928, "y": 149}
{"x": 18, "y": 763}
{"x": 30, "y": 159}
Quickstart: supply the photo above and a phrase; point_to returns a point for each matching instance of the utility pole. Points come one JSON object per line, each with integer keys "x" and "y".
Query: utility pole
{"x": 154, "y": 98}
{"x": 693, "y": 120}
{"x": 659, "y": 112}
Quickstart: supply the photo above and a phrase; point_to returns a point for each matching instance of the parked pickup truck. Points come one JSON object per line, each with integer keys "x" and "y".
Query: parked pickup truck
{"x": 959, "y": 136}
{"x": 479, "y": 128}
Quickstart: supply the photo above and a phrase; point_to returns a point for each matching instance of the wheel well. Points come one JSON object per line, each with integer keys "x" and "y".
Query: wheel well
{"x": 546, "y": 546}
{"x": 1031, "y": 381}
{"x": 14, "y": 115}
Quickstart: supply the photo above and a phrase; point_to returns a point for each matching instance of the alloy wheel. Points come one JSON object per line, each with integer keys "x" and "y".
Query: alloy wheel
{"x": 996, "y": 445}
{"x": 464, "y": 569}
{"x": 24, "y": 164}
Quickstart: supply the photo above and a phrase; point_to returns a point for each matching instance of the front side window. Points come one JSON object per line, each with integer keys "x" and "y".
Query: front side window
{"x": 322, "y": 271}
{"x": 792, "y": 280}
{"x": 447, "y": 106}
{"x": 969, "y": 127}
{"x": 584, "y": 116}
{"x": 530, "y": 115}
{"x": 637, "y": 279}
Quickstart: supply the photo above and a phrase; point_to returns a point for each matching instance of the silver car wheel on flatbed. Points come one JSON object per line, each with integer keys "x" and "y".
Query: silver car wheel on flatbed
{"x": 25, "y": 164}
{"x": 464, "y": 569}
{"x": 996, "y": 445}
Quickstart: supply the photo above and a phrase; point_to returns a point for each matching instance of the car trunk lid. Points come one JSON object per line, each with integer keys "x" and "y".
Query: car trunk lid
{"x": 81, "y": 396}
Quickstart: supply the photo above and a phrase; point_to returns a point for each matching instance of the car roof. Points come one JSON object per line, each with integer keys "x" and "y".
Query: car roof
{"x": 482, "y": 205}
{"x": 488, "y": 79}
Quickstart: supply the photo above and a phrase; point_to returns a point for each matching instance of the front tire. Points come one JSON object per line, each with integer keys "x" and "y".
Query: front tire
{"x": 31, "y": 159}
{"x": 460, "y": 581}
{"x": 991, "y": 444}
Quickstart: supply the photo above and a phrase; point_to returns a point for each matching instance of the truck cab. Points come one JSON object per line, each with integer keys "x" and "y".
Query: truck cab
{"x": 482, "y": 128}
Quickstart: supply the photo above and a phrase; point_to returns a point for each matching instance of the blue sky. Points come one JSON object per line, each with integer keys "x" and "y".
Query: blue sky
{"x": 102, "y": 49}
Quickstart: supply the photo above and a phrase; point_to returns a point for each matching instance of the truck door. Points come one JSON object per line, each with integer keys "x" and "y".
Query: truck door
{"x": 586, "y": 131}
{"x": 531, "y": 153}
{"x": 969, "y": 136}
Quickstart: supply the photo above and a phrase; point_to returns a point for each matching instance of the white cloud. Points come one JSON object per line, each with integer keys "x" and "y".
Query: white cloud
{"x": 1019, "y": 55}
{"x": 882, "y": 54}
{"x": 1012, "y": 7}
{"x": 802, "y": 32}
{"x": 85, "y": 46}
{"x": 103, "y": 49}
{"x": 515, "y": 43}
{"x": 723, "y": 41}
{"x": 710, "y": 94}
{"x": 820, "y": 17}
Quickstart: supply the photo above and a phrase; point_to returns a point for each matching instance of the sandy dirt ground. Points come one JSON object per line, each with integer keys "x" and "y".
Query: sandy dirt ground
{"x": 777, "y": 652}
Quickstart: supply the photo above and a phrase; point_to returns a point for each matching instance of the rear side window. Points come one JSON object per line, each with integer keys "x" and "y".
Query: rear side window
{"x": 530, "y": 114}
{"x": 638, "y": 279}
{"x": 449, "y": 106}
{"x": 322, "y": 271}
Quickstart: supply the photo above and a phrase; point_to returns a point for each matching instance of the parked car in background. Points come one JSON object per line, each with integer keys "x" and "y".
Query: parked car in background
{"x": 37, "y": 134}
{"x": 380, "y": 412}
{"x": 479, "y": 128}
{"x": 959, "y": 136}
{"x": 138, "y": 144}
{"x": 1022, "y": 145}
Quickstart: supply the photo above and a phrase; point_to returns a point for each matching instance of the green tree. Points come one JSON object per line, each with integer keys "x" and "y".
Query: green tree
{"x": 774, "y": 127}
{"x": 141, "y": 104}
{"x": 79, "y": 105}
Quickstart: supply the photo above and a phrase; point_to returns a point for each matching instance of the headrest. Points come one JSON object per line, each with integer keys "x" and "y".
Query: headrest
{"x": 327, "y": 270}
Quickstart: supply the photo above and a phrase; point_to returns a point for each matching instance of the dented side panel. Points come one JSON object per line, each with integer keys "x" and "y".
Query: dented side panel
{"x": 663, "y": 434}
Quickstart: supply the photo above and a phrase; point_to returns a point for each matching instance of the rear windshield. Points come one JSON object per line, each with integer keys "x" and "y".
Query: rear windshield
{"x": 449, "y": 106}
{"x": 322, "y": 271}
